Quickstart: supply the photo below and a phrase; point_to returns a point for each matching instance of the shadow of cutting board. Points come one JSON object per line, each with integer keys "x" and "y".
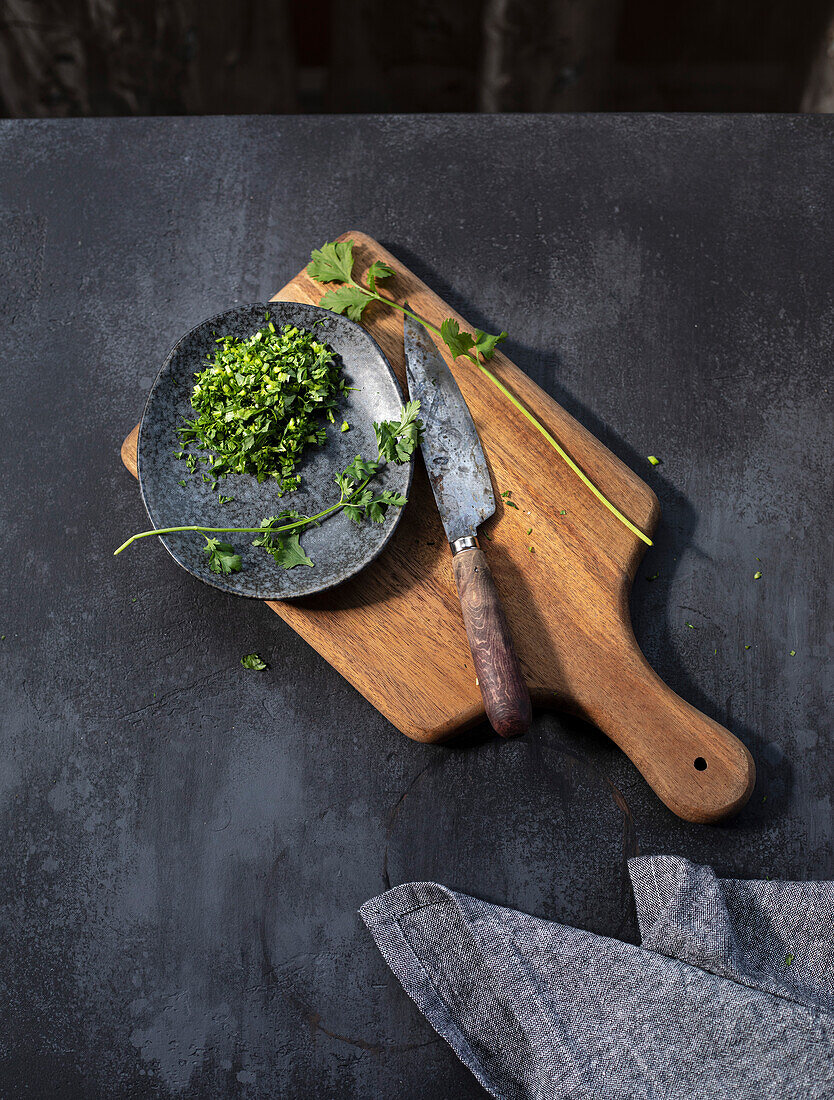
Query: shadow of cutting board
{"x": 395, "y": 631}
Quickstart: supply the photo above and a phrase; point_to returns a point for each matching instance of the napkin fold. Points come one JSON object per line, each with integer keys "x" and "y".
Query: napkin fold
{"x": 731, "y": 993}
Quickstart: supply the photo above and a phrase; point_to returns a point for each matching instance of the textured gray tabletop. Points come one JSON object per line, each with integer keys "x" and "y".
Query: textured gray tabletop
{"x": 185, "y": 843}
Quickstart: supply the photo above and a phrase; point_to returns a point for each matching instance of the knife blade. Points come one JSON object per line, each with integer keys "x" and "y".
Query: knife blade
{"x": 462, "y": 488}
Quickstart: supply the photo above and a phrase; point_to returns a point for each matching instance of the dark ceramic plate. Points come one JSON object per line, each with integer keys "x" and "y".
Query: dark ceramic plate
{"x": 339, "y": 547}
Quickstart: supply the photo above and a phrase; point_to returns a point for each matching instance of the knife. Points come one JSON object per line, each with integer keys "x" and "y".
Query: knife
{"x": 462, "y": 487}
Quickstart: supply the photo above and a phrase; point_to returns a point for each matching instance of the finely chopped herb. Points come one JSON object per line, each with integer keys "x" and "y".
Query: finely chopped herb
{"x": 253, "y": 661}
{"x": 261, "y": 401}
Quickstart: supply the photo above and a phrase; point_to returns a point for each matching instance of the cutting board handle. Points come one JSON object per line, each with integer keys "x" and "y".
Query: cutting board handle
{"x": 696, "y": 767}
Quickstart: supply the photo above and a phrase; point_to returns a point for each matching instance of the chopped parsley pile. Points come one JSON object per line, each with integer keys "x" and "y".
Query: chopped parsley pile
{"x": 261, "y": 401}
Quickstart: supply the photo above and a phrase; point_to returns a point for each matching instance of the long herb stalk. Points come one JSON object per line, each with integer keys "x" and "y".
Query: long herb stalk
{"x": 333, "y": 262}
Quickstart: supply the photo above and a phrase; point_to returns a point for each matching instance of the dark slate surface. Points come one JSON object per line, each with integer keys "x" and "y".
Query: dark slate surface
{"x": 185, "y": 844}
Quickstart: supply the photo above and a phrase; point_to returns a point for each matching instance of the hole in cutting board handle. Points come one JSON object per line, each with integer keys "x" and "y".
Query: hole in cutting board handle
{"x": 700, "y": 764}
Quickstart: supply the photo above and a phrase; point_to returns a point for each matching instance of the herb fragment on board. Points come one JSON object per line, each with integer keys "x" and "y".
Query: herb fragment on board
{"x": 653, "y": 577}
{"x": 793, "y": 653}
{"x": 253, "y": 661}
{"x": 345, "y": 426}
{"x": 788, "y": 959}
{"x": 747, "y": 647}
{"x": 691, "y": 627}
{"x": 654, "y": 460}
{"x": 511, "y": 504}
{"x": 334, "y": 262}
{"x": 757, "y": 575}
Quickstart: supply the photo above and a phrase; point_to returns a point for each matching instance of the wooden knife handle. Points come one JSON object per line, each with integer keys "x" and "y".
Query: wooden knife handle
{"x": 505, "y": 694}
{"x": 699, "y": 769}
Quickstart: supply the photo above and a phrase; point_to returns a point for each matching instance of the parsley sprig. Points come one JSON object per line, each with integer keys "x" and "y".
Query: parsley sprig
{"x": 280, "y": 535}
{"x": 333, "y": 263}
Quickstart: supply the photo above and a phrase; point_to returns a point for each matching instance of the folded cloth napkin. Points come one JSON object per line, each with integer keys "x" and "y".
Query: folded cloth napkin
{"x": 730, "y": 995}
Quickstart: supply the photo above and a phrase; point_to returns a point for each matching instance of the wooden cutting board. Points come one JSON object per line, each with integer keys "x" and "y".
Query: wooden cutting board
{"x": 395, "y": 631}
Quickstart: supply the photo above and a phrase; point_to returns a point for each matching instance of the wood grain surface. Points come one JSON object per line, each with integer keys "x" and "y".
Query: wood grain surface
{"x": 396, "y": 633}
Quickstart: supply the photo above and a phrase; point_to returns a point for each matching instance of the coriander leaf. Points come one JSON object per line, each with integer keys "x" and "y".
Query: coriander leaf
{"x": 397, "y": 440}
{"x": 222, "y": 556}
{"x": 485, "y": 344}
{"x": 284, "y": 546}
{"x": 288, "y": 553}
{"x": 458, "y": 343}
{"x": 358, "y": 471}
{"x": 378, "y": 270}
{"x": 346, "y": 299}
{"x": 252, "y": 660}
{"x": 377, "y": 507}
{"x": 332, "y": 263}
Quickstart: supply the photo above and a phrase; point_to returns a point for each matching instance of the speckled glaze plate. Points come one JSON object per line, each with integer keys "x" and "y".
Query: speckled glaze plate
{"x": 339, "y": 547}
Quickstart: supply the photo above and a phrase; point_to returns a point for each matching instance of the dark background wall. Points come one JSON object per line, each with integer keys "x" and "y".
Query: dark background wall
{"x": 63, "y": 58}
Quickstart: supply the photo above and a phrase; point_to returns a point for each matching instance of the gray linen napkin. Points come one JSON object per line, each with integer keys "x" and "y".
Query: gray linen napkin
{"x": 730, "y": 995}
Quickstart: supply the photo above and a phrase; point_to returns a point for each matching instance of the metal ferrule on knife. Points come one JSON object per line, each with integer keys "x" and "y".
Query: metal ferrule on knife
{"x": 468, "y": 542}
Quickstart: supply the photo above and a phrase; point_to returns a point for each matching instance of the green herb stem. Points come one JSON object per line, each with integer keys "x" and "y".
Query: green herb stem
{"x": 303, "y": 522}
{"x": 522, "y": 408}
{"x": 228, "y": 530}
